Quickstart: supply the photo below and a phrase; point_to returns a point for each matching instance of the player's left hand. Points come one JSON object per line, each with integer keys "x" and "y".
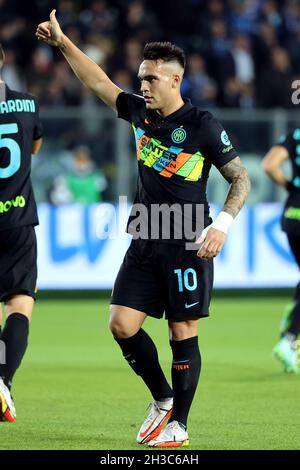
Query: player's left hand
{"x": 212, "y": 244}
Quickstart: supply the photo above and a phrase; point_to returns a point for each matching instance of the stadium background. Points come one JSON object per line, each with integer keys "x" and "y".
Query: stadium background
{"x": 242, "y": 59}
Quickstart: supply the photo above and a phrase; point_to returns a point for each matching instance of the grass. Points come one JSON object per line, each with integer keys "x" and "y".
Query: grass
{"x": 75, "y": 391}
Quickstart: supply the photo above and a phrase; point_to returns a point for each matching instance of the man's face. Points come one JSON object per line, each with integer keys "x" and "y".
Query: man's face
{"x": 159, "y": 81}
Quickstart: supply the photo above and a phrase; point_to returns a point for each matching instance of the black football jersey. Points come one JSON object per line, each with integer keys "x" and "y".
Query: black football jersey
{"x": 291, "y": 216}
{"x": 174, "y": 153}
{"x": 19, "y": 126}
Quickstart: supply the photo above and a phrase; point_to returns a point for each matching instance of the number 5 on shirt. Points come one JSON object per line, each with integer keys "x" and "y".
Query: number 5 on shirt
{"x": 13, "y": 147}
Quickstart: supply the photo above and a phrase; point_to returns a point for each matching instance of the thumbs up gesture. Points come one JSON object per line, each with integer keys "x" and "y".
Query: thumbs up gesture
{"x": 50, "y": 32}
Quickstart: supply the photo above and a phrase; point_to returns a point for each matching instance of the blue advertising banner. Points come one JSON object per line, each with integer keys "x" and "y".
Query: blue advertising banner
{"x": 82, "y": 247}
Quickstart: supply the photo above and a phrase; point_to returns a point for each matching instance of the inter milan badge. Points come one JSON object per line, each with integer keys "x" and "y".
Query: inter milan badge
{"x": 178, "y": 135}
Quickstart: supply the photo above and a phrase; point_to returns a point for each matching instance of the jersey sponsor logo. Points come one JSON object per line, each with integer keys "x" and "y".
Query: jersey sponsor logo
{"x": 18, "y": 201}
{"x": 292, "y": 213}
{"x": 178, "y": 135}
{"x": 17, "y": 106}
{"x": 168, "y": 161}
{"x": 224, "y": 138}
{"x": 191, "y": 305}
{"x": 227, "y": 149}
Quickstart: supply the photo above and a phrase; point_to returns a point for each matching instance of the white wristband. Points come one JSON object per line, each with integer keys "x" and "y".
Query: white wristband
{"x": 222, "y": 222}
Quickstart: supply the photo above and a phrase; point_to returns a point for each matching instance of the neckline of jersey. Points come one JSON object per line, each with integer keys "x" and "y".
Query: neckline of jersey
{"x": 176, "y": 114}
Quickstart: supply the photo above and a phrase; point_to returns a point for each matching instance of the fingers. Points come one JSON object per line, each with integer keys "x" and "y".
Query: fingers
{"x": 43, "y": 30}
{"x": 52, "y": 16}
{"x": 203, "y": 235}
{"x": 212, "y": 244}
{"x": 209, "y": 249}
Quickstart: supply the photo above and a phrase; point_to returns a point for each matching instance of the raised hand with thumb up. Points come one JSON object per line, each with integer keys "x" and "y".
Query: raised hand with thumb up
{"x": 50, "y": 32}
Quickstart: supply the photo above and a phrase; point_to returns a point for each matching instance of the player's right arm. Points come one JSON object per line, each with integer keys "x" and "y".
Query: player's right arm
{"x": 36, "y": 145}
{"x": 272, "y": 164}
{"x": 88, "y": 72}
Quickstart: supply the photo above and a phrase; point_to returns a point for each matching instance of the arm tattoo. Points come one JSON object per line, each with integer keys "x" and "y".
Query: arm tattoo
{"x": 236, "y": 174}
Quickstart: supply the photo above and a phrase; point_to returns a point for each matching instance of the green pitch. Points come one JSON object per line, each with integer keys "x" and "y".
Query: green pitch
{"x": 75, "y": 391}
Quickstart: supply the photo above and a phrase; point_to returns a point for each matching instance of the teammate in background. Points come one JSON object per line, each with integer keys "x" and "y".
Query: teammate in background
{"x": 20, "y": 136}
{"x": 176, "y": 145}
{"x": 84, "y": 183}
{"x": 288, "y": 148}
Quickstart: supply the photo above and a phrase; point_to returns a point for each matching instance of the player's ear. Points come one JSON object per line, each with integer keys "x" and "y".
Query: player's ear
{"x": 176, "y": 81}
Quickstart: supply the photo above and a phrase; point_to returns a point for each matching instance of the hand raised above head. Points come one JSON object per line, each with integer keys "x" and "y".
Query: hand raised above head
{"x": 50, "y": 31}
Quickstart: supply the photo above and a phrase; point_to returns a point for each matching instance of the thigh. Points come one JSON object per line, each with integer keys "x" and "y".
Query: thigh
{"x": 19, "y": 304}
{"x": 18, "y": 257}
{"x": 189, "y": 282}
{"x": 138, "y": 285}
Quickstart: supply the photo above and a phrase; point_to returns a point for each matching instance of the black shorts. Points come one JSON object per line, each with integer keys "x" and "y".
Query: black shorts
{"x": 18, "y": 261}
{"x": 158, "y": 277}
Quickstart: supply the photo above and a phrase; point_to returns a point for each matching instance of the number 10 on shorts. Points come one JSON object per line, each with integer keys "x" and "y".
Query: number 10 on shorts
{"x": 186, "y": 279}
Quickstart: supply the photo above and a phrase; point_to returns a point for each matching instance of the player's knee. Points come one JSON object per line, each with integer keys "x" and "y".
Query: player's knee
{"x": 181, "y": 330}
{"x": 118, "y": 328}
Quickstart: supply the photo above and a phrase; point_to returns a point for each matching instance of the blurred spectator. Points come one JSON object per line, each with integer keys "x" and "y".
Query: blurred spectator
{"x": 232, "y": 93}
{"x": 244, "y": 65}
{"x": 264, "y": 41}
{"x": 275, "y": 86}
{"x": 66, "y": 13}
{"x": 271, "y": 14}
{"x": 84, "y": 184}
{"x": 220, "y": 55}
{"x": 197, "y": 84}
{"x": 10, "y": 73}
{"x": 214, "y": 10}
{"x": 122, "y": 79}
{"x": 140, "y": 23}
{"x": 243, "y": 15}
{"x": 291, "y": 17}
{"x": 99, "y": 17}
{"x": 235, "y": 40}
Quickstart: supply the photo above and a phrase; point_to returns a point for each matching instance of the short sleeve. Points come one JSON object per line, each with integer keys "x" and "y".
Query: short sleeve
{"x": 129, "y": 106}
{"x": 288, "y": 141}
{"x": 38, "y": 128}
{"x": 219, "y": 148}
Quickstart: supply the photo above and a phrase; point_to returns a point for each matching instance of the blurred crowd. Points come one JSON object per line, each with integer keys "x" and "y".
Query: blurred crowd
{"x": 240, "y": 53}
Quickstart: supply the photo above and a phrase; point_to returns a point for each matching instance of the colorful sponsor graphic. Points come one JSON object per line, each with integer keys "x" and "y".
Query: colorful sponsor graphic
{"x": 168, "y": 161}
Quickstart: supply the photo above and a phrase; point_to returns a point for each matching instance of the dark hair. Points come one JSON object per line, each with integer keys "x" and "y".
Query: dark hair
{"x": 2, "y": 56}
{"x": 165, "y": 51}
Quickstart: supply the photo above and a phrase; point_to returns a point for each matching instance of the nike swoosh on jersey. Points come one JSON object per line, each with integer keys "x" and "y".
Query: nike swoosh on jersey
{"x": 190, "y": 305}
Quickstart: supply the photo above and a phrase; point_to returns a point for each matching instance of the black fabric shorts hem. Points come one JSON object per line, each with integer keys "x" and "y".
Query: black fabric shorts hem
{"x": 141, "y": 308}
{"x": 8, "y": 295}
{"x": 159, "y": 279}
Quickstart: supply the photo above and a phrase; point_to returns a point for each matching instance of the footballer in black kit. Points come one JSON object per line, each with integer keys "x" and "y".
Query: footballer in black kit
{"x": 20, "y": 137}
{"x": 174, "y": 156}
{"x": 288, "y": 148}
{"x": 176, "y": 145}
